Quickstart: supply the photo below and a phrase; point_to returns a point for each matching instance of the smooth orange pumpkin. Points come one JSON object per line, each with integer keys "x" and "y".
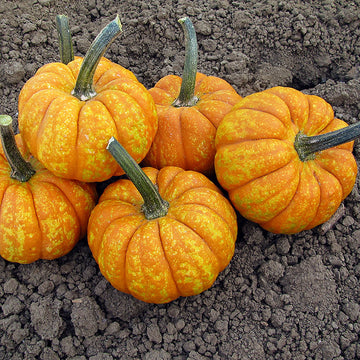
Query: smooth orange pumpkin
{"x": 189, "y": 111}
{"x": 160, "y": 244}
{"x": 277, "y": 172}
{"x": 67, "y": 113}
{"x": 41, "y": 215}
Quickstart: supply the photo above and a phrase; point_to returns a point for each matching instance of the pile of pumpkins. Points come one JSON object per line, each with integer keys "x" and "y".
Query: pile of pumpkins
{"x": 165, "y": 229}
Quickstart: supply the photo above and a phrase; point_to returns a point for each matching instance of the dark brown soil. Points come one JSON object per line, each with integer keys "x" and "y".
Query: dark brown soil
{"x": 282, "y": 297}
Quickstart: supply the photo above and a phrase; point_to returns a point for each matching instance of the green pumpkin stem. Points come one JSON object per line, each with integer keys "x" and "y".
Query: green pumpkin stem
{"x": 21, "y": 170}
{"x": 65, "y": 41}
{"x": 84, "y": 88}
{"x": 154, "y": 205}
{"x": 187, "y": 96}
{"x": 308, "y": 146}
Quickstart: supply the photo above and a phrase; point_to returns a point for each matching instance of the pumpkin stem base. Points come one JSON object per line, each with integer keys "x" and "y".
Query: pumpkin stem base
{"x": 303, "y": 152}
{"x": 188, "y": 103}
{"x": 307, "y": 146}
{"x": 85, "y": 95}
{"x": 155, "y": 212}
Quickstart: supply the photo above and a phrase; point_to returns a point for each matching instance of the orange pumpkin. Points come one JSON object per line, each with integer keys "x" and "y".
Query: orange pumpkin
{"x": 277, "y": 172}
{"x": 41, "y": 216}
{"x": 160, "y": 244}
{"x": 67, "y": 113}
{"x": 189, "y": 111}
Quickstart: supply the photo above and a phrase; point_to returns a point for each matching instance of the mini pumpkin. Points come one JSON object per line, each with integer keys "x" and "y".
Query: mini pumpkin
{"x": 169, "y": 235}
{"x": 189, "y": 110}
{"x": 41, "y": 215}
{"x": 285, "y": 160}
{"x": 67, "y": 111}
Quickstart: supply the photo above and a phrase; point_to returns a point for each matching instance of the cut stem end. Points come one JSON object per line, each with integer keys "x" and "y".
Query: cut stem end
{"x": 21, "y": 170}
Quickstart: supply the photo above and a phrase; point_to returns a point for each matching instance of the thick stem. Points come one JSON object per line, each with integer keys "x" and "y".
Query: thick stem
{"x": 154, "y": 205}
{"x": 84, "y": 88}
{"x": 186, "y": 96}
{"x": 65, "y": 41}
{"x": 308, "y": 146}
{"x": 21, "y": 170}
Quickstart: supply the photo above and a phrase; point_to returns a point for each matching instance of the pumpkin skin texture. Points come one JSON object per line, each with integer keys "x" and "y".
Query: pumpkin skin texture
{"x": 179, "y": 254}
{"x": 186, "y": 134}
{"x": 69, "y": 136}
{"x": 44, "y": 217}
{"x": 257, "y": 162}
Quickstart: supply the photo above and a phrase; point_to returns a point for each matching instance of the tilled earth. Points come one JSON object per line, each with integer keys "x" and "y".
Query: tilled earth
{"x": 282, "y": 297}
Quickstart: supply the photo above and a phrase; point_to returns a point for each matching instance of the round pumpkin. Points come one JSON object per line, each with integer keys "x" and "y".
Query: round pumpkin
{"x": 277, "y": 172}
{"x": 189, "y": 110}
{"x": 170, "y": 238}
{"x": 67, "y": 112}
{"x": 41, "y": 215}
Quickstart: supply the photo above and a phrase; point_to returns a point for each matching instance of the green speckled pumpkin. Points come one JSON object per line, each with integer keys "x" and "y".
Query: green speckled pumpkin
{"x": 170, "y": 240}
{"x": 277, "y": 172}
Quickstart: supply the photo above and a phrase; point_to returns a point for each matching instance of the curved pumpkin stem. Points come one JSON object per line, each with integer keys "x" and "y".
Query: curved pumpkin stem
{"x": 84, "y": 88}
{"x": 65, "y": 41}
{"x": 154, "y": 205}
{"x": 186, "y": 96}
{"x": 21, "y": 170}
{"x": 308, "y": 146}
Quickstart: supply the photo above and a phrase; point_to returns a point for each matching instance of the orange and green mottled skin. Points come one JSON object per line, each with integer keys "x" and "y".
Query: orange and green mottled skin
{"x": 44, "y": 217}
{"x": 179, "y": 254}
{"x": 257, "y": 163}
{"x": 69, "y": 136}
{"x": 186, "y": 134}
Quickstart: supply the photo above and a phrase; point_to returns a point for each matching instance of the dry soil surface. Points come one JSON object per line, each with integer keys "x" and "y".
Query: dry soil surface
{"x": 282, "y": 297}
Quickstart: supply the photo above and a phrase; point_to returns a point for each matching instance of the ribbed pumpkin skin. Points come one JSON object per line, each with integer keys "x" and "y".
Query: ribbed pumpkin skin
{"x": 256, "y": 161}
{"x": 69, "y": 136}
{"x": 44, "y": 217}
{"x": 180, "y": 254}
{"x": 186, "y": 135}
